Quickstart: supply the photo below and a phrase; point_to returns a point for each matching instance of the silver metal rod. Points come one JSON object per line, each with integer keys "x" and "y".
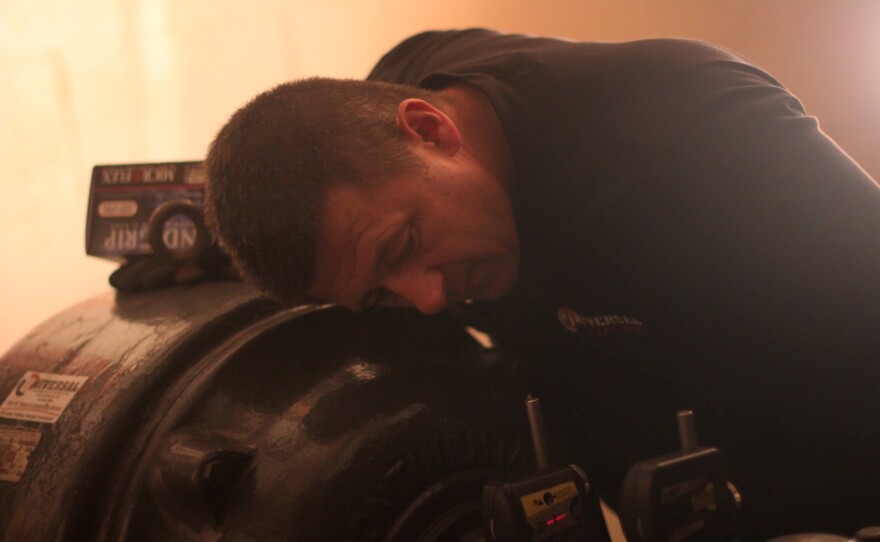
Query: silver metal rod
{"x": 539, "y": 439}
{"x": 687, "y": 431}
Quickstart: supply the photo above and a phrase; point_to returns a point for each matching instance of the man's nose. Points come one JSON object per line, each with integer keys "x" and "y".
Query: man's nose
{"x": 424, "y": 290}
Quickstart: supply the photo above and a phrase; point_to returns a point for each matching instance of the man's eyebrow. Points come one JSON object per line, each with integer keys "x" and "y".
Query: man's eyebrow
{"x": 379, "y": 263}
{"x": 401, "y": 231}
{"x": 381, "y": 260}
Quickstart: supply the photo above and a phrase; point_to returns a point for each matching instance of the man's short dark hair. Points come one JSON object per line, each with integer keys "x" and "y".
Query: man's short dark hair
{"x": 271, "y": 164}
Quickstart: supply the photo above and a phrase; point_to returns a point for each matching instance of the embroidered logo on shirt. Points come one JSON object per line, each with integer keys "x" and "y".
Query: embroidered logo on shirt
{"x": 611, "y": 324}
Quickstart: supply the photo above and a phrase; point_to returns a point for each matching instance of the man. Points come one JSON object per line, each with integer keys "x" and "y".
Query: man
{"x": 654, "y": 225}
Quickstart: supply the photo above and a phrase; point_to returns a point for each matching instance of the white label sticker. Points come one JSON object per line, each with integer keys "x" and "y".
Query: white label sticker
{"x": 40, "y": 397}
{"x": 16, "y": 446}
{"x": 125, "y": 208}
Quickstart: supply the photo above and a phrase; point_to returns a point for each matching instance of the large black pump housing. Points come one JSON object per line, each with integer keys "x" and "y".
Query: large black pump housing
{"x": 210, "y": 413}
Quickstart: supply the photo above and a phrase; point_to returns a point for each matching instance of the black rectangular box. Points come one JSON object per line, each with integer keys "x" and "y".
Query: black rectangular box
{"x": 123, "y": 197}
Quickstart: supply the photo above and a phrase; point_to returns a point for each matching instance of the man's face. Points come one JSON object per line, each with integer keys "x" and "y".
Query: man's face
{"x": 424, "y": 241}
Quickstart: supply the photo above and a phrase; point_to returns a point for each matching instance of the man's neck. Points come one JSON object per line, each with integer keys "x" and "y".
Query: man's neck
{"x": 480, "y": 128}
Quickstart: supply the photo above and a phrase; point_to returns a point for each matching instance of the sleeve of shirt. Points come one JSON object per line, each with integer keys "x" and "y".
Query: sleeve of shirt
{"x": 782, "y": 234}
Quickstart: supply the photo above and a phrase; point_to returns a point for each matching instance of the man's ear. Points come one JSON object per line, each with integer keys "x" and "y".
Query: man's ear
{"x": 423, "y": 122}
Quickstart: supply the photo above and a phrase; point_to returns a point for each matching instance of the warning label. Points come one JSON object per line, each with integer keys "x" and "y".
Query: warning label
{"x": 40, "y": 397}
{"x": 16, "y": 446}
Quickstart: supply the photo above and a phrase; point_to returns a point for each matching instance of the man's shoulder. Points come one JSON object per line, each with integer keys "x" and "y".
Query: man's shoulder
{"x": 482, "y": 49}
{"x": 427, "y": 43}
{"x": 443, "y": 50}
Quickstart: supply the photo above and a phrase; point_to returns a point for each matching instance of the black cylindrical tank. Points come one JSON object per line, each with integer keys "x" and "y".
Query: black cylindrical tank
{"x": 209, "y": 413}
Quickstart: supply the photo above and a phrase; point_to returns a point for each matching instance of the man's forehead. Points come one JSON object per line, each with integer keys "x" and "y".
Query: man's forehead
{"x": 355, "y": 225}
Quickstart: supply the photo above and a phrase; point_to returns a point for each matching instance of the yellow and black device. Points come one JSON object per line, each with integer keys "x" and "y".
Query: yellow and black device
{"x": 553, "y": 504}
{"x": 684, "y": 496}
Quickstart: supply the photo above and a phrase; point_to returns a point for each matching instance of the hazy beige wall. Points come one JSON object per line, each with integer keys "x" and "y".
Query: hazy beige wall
{"x": 106, "y": 81}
